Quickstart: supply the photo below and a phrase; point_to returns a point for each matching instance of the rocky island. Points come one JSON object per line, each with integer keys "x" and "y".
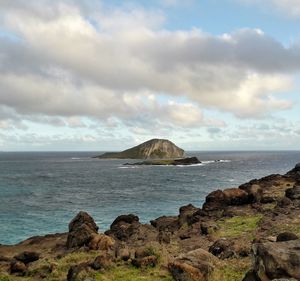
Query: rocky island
{"x": 248, "y": 233}
{"x": 152, "y": 149}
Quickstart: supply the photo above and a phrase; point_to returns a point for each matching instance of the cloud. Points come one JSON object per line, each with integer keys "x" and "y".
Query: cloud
{"x": 289, "y": 7}
{"x": 70, "y": 61}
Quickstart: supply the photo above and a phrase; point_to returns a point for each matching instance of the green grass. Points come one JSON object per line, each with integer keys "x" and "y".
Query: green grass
{"x": 232, "y": 270}
{"x": 130, "y": 273}
{"x": 238, "y": 226}
{"x": 4, "y": 278}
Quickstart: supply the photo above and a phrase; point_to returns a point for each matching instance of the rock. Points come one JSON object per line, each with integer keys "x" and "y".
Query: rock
{"x": 81, "y": 230}
{"x": 152, "y": 149}
{"x": 219, "y": 199}
{"x": 124, "y": 226}
{"x": 185, "y": 212}
{"x": 293, "y": 193}
{"x": 222, "y": 248}
{"x": 286, "y": 236}
{"x": 83, "y": 218}
{"x": 166, "y": 224}
{"x": 148, "y": 261}
{"x": 277, "y": 260}
{"x": 167, "y": 162}
{"x": 102, "y": 242}
{"x": 102, "y": 262}
{"x": 27, "y": 257}
{"x": 236, "y": 196}
{"x": 196, "y": 265}
{"x": 283, "y": 202}
{"x": 18, "y": 268}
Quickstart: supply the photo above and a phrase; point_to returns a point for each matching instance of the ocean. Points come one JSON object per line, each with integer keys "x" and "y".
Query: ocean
{"x": 40, "y": 192}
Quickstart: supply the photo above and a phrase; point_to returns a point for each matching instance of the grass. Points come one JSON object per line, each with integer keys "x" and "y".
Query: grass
{"x": 232, "y": 270}
{"x": 238, "y": 226}
{"x": 130, "y": 273}
{"x": 292, "y": 225}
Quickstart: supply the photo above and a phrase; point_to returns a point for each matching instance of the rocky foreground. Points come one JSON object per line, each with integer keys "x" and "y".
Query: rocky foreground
{"x": 249, "y": 233}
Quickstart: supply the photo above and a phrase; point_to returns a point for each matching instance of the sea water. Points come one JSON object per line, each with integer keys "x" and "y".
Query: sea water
{"x": 40, "y": 192}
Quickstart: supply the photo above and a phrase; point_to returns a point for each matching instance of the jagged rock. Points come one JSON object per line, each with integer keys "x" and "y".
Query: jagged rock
{"x": 18, "y": 268}
{"x": 236, "y": 196}
{"x": 83, "y": 218}
{"x": 286, "y": 236}
{"x": 166, "y": 223}
{"x": 102, "y": 242}
{"x": 152, "y": 149}
{"x": 163, "y": 162}
{"x": 251, "y": 276}
{"x": 27, "y": 257}
{"x": 196, "y": 265}
{"x": 148, "y": 261}
{"x": 185, "y": 212}
{"x": 277, "y": 260}
{"x": 81, "y": 230}
{"x": 229, "y": 197}
{"x": 124, "y": 226}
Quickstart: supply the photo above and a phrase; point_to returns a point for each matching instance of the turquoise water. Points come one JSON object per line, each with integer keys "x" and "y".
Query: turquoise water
{"x": 41, "y": 192}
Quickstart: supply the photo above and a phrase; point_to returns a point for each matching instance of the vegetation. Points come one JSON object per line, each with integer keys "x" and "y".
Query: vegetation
{"x": 238, "y": 226}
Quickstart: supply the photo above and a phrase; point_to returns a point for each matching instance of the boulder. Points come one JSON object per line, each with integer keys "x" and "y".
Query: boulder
{"x": 196, "y": 265}
{"x": 185, "y": 212}
{"x": 236, "y": 196}
{"x": 124, "y": 226}
{"x": 83, "y": 218}
{"x": 166, "y": 223}
{"x": 27, "y": 257}
{"x": 81, "y": 230}
{"x": 277, "y": 260}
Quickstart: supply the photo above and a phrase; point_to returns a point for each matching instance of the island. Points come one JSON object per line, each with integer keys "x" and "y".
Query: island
{"x": 151, "y": 149}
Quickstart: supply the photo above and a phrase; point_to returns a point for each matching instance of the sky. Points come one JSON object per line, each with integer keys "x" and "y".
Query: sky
{"x": 107, "y": 75}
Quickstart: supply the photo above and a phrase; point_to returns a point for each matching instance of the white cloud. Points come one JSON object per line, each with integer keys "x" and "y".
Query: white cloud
{"x": 71, "y": 62}
{"x": 289, "y": 7}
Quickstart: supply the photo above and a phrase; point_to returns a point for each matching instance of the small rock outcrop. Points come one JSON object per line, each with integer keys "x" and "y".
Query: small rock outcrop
{"x": 81, "y": 230}
{"x": 196, "y": 265}
{"x": 152, "y": 149}
{"x": 277, "y": 260}
{"x": 124, "y": 226}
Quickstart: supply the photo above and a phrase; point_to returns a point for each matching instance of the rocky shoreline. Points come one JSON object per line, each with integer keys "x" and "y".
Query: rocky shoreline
{"x": 248, "y": 233}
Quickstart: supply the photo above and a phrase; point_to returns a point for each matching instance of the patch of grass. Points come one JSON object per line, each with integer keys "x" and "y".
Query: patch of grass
{"x": 4, "y": 278}
{"x": 232, "y": 270}
{"x": 130, "y": 273}
{"x": 238, "y": 226}
{"x": 289, "y": 226}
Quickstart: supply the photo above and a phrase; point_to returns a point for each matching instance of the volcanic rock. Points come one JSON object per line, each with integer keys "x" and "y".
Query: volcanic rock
{"x": 81, "y": 230}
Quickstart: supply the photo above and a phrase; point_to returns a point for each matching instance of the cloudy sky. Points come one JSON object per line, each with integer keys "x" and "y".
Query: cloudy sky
{"x": 105, "y": 75}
